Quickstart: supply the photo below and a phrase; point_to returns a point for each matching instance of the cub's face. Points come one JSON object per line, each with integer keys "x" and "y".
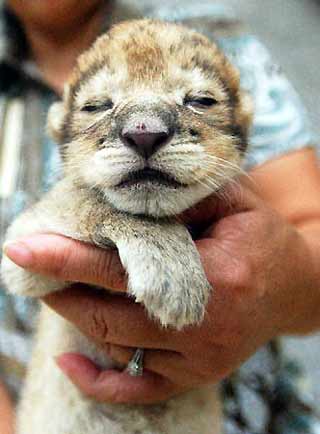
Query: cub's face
{"x": 153, "y": 118}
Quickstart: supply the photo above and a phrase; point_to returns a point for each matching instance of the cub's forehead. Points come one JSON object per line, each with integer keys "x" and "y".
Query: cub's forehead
{"x": 150, "y": 54}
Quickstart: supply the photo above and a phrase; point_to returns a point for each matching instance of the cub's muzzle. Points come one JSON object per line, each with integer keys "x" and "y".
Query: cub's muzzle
{"x": 147, "y": 129}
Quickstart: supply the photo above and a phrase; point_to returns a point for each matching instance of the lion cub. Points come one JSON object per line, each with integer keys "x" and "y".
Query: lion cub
{"x": 152, "y": 121}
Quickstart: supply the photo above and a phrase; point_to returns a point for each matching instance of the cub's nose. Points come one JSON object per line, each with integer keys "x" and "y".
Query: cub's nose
{"x": 146, "y": 136}
{"x": 145, "y": 143}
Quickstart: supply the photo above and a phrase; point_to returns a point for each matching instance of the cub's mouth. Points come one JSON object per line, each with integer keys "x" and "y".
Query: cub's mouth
{"x": 149, "y": 176}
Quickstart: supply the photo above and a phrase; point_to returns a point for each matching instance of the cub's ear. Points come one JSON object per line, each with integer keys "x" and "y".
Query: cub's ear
{"x": 56, "y": 121}
{"x": 244, "y": 112}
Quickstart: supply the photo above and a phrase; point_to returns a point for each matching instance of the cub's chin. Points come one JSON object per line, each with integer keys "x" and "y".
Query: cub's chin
{"x": 155, "y": 200}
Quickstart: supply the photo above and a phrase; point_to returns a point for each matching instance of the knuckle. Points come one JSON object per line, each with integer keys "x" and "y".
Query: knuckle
{"x": 119, "y": 355}
{"x": 107, "y": 349}
{"x": 62, "y": 262}
{"x": 102, "y": 265}
{"x": 116, "y": 395}
{"x": 97, "y": 326}
{"x": 107, "y": 270}
{"x": 240, "y": 276}
{"x": 209, "y": 372}
{"x": 215, "y": 368}
{"x": 110, "y": 350}
{"x": 89, "y": 392}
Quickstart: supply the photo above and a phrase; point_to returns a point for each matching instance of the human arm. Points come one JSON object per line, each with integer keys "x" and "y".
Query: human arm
{"x": 291, "y": 186}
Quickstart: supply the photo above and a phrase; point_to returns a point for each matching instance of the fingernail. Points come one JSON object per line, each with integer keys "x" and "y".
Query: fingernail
{"x": 19, "y": 253}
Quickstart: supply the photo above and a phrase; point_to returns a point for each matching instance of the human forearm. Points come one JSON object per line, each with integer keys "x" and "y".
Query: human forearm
{"x": 6, "y": 412}
{"x": 291, "y": 186}
{"x": 310, "y": 322}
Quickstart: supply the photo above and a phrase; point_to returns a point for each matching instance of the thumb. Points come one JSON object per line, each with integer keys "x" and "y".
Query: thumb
{"x": 68, "y": 260}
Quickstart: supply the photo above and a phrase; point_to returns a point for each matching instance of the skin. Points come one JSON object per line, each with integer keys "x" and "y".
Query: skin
{"x": 6, "y": 412}
{"x": 261, "y": 257}
{"x": 57, "y": 32}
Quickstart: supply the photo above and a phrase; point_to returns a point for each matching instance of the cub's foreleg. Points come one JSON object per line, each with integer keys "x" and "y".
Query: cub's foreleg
{"x": 58, "y": 212}
{"x": 162, "y": 262}
{"x": 164, "y": 269}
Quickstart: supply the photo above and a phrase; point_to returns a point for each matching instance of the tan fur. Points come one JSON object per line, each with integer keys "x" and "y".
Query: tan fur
{"x": 140, "y": 72}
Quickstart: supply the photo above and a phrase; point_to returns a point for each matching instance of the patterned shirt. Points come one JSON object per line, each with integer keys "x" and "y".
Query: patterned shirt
{"x": 29, "y": 164}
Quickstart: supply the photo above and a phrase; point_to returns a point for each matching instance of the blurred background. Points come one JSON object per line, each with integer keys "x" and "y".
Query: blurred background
{"x": 291, "y": 30}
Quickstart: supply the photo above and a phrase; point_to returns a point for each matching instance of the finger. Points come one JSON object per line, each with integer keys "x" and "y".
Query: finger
{"x": 112, "y": 386}
{"x": 67, "y": 259}
{"x": 110, "y": 318}
{"x": 185, "y": 372}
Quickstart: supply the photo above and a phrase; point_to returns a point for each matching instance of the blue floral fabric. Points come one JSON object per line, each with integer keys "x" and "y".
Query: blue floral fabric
{"x": 280, "y": 123}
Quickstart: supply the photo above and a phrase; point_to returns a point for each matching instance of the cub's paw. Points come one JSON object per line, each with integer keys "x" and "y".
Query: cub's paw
{"x": 173, "y": 288}
{"x": 174, "y": 303}
{"x": 21, "y": 282}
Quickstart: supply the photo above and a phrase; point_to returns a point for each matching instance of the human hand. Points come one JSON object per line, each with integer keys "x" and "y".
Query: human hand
{"x": 258, "y": 266}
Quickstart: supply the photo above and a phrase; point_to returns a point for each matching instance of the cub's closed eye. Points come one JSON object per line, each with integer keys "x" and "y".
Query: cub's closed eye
{"x": 200, "y": 102}
{"x": 97, "y": 107}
